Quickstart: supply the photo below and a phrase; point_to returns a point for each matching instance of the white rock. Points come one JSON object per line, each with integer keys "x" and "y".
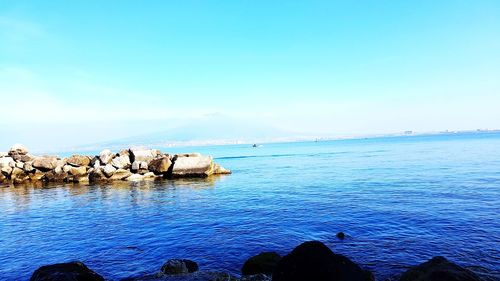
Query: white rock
{"x": 135, "y": 177}
{"x": 20, "y": 165}
{"x": 18, "y": 149}
{"x": 109, "y": 170}
{"x": 6, "y": 161}
{"x": 193, "y": 166}
{"x": 142, "y": 154}
{"x": 106, "y": 156}
{"x": 121, "y": 162}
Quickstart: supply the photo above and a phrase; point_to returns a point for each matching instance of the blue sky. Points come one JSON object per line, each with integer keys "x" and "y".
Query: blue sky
{"x": 91, "y": 71}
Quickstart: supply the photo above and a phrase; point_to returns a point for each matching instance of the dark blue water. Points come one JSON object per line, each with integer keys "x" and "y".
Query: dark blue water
{"x": 399, "y": 200}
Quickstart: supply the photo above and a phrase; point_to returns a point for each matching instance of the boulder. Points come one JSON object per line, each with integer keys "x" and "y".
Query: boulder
{"x": 192, "y": 166}
{"x": 36, "y": 175}
{"x": 3, "y": 154}
{"x": 149, "y": 175}
{"x": 3, "y": 178}
{"x": 53, "y": 176}
{"x": 135, "y": 177}
{"x": 120, "y": 174}
{"x": 109, "y": 170}
{"x": 45, "y": 163}
{"x": 73, "y": 271}
{"x": 219, "y": 170}
{"x": 28, "y": 167}
{"x": 6, "y": 162}
{"x": 18, "y": 149}
{"x": 18, "y": 176}
{"x": 121, "y": 162}
{"x": 142, "y": 154}
{"x": 20, "y": 165}
{"x": 124, "y": 152}
{"x": 178, "y": 266}
{"x": 314, "y": 261}
{"x": 96, "y": 174}
{"x": 262, "y": 263}
{"x": 78, "y": 160}
{"x": 23, "y": 158}
{"x": 195, "y": 276}
{"x": 139, "y": 167}
{"x": 106, "y": 156}
{"x": 95, "y": 162}
{"x": 6, "y": 170}
{"x": 256, "y": 277}
{"x": 76, "y": 171}
{"x": 160, "y": 165}
{"x": 438, "y": 269}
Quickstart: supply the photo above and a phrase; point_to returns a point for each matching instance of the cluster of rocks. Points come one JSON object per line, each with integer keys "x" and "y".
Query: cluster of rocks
{"x": 310, "y": 261}
{"x": 19, "y": 166}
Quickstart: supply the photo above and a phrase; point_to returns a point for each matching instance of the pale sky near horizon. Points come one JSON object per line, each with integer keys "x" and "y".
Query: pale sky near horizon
{"x": 87, "y": 71}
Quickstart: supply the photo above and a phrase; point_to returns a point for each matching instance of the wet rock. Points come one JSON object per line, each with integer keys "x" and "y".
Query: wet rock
{"x": 160, "y": 165}
{"x": 120, "y": 174}
{"x": 149, "y": 175}
{"x": 106, "y": 156}
{"x": 36, "y": 175}
{"x": 78, "y": 160}
{"x": 438, "y": 269}
{"x": 256, "y": 277}
{"x": 76, "y": 171}
{"x": 109, "y": 170}
{"x": 53, "y": 176}
{"x": 142, "y": 154}
{"x": 264, "y": 263}
{"x": 18, "y": 176}
{"x": 121, "y": 162}
{"x": 178, "y": 266}
{"x": 96, "y": 174}
{"x": 315, "y": 261}
{"x": 135, "y": 177}
{"x": 219, "y": 170}
{"x": 45, "y": 163}
{"x": 196, "y": 276}
{"x": 201, "y": 166}
{"x": 73, "y": 271}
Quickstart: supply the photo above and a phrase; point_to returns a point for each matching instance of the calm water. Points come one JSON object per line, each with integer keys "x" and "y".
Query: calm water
{"x": 400, "y": 201}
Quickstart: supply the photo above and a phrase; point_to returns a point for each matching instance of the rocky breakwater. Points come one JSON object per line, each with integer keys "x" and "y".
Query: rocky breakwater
{"x": 18, "y": 166}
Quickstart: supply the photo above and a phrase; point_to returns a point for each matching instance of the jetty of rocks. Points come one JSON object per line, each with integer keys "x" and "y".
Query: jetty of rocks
{"x": 18, "y": 166}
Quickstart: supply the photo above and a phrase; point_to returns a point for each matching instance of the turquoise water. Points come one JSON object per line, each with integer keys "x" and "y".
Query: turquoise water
{"x": 400, "y": 201}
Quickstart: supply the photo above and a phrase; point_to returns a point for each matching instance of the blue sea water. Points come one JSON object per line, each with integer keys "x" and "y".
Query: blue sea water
{"x": 400, "y": 201}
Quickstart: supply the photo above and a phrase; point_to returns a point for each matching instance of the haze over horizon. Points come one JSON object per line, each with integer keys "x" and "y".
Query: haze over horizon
{"x": 97, "y": 71}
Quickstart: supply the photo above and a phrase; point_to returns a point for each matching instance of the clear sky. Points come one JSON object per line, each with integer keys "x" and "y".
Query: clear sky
{"x": 85, "y": 71}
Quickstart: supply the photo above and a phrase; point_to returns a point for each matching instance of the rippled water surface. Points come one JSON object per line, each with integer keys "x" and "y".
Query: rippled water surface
{"x": 399, "y": 200}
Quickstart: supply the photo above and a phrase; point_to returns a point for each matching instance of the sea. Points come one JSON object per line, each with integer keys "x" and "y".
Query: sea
{"x": 399, "y": 200}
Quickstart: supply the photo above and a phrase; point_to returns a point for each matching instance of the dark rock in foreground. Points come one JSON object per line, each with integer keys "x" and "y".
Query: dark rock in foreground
{"x": 315, "y": 261}
{"x": 177, "y": 266}
{"x": 264, "y": 263}
{"x": 196, "y": 276}
{"x": 438, "y": 269}
{"x": 72, "y": 271}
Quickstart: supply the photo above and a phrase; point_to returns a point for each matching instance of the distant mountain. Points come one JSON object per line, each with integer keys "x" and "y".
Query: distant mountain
{"x": 206, "y": 130}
